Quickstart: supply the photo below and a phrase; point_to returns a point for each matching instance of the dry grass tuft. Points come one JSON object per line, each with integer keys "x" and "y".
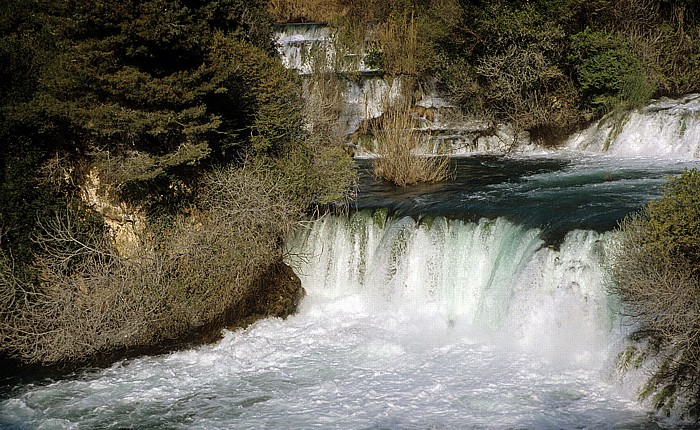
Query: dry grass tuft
{"x": 305, "y": 10}
{"x": 397, "y": 141}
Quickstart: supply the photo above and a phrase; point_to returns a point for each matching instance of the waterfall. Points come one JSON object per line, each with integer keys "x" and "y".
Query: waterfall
{"x": 665, "y": 129}
{"x": 491, "y": 276}
{"x": 296, "y": 42}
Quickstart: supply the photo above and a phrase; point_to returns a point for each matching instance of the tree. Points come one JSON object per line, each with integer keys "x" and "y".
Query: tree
{"x": 154, "y": 92}
{"x": 610, "y": 73}
{"x": 154, "y": 96}
{"x": 158, "y": 86}
{"x": 505, "y": 59}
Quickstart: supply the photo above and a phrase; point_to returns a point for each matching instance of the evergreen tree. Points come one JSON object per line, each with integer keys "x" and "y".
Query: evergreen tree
{"x": 153, "y": 90}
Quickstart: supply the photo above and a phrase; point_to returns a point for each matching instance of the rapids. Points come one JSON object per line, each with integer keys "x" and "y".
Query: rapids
{"x": 478, "y": 303}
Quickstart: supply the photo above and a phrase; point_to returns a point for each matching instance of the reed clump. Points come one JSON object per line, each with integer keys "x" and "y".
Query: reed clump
{"x": 397, "y": 143}
{"x": 398, "y": 38}
{"x": 304, "y": 10}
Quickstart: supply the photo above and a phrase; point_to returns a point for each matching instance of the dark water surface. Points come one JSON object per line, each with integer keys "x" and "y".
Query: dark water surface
{"x": 556, "y": 195}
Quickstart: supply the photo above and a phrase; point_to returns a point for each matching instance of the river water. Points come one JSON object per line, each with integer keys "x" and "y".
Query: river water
{"x": 478, "y": 303}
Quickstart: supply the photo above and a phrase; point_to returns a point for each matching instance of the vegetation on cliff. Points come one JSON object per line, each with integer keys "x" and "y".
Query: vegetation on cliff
{"x": 180, "y": 109}
{"x": 656, "y": 273}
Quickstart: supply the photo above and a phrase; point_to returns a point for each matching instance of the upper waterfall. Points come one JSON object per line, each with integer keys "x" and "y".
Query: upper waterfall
{"x": 314, "y": 47}
{"x": 365, "y": 93}
{"x": 665, "y": 128}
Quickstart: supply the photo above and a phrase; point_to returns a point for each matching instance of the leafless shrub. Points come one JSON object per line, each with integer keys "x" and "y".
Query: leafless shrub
{"x": 91, "y": 300}
{"x": 398, "y": 38}
{"x": 323, "y": 106}
{"x": 634, "y": 16}
{"x": 397, "y": 142}
{"x": 525, "y": 89}
{"x": 304, "y": 10}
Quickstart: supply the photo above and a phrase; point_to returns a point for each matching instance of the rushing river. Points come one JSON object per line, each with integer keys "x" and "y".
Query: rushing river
{"x": 478, "y": 303}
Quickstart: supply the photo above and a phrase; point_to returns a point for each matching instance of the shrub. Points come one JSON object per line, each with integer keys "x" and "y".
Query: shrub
{"x": 322, "y": 108}
{"x": 319, "y": 175}
{"x": 398, "y": 38}
{"x": 304, "y": 10}
{"x": 656, "y": 274}
{"x": 397, "y": 142}
{"x": 609, "y": 72}
{"x": 505, "y": 62}
{"x": 190, "y": 273}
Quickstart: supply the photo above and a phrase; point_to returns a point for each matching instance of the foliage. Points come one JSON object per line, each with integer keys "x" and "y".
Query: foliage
{"x": 130, "y": 81}
{"x": 319, "y": 175}
{"x": 153, "y": 98}
{"x": 305, "y": 10}
{"x": 192, "y": 271}
{"x": 608, "y": 71}
{"x": 181, "y": 107}
{"x": 509, "y": 65}
{"x": 674, "y": 220}
{"x": 656, "y": 273}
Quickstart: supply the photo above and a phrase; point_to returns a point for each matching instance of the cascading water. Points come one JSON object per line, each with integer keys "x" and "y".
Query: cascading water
{"x": 497, "y": 319}
{"x": 478, "y": 303}
{"x": 665, "y": 128}
{"x": 490, "y": 276}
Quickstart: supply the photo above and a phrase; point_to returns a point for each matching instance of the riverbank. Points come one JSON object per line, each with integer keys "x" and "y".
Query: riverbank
{"x": 277, "y": 293}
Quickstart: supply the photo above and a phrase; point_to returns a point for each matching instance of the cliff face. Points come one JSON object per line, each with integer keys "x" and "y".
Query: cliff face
{"x": 277, "y": 293}
{"x": 126, "y": 222}
{"x": 341, "y": 86}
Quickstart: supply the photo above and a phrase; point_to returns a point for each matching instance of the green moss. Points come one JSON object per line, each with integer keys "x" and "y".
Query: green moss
{"x": 380, "y": 217}
{"x": 630, "y": 358}
{"x": 619, "y": 120}
{"x": 683, "y": 120}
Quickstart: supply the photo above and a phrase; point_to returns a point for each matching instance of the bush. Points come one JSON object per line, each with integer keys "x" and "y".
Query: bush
{"x": 190, "y": 273}
{"x": 397, "y": 142}
{"x": 505, "y": 62}
{"x": 398, "y": 38}
{"x": 304, "y": 10}
{"x": 656, "y": 274}
{"x": 610, "y": 73}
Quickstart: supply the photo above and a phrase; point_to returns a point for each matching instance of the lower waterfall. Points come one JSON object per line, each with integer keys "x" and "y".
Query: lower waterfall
{"x": 486, "y": 308}
{"x": 488, "y": 277}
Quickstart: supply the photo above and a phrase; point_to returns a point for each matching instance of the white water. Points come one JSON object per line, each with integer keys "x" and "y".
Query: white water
{"x": 439, "y": 324}
{"x": 302, "y": 46}
{"x": 491, "y": 278}
{"x": 295, "y": 44}
{"x": 663, "y": 129}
